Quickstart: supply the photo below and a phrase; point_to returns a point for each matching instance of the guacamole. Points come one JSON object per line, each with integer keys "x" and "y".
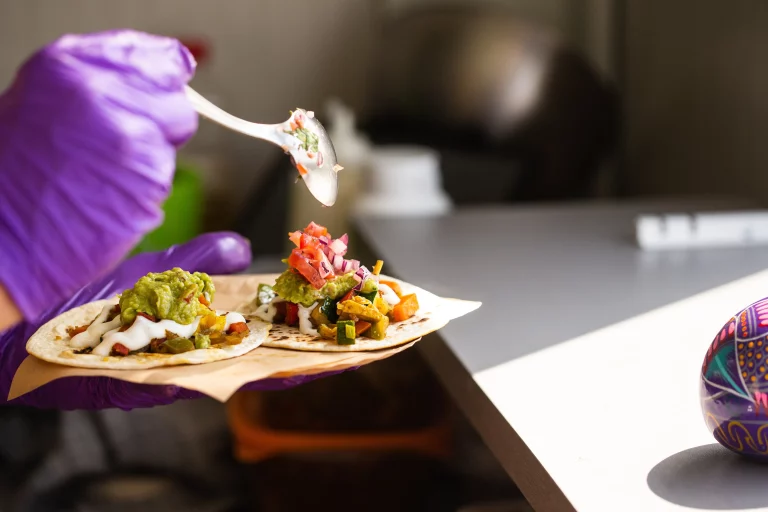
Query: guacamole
{"x": 170, "y": 295}
{"x": 294, "y": 288}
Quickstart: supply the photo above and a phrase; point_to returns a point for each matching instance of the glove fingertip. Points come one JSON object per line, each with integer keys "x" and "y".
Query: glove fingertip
{"x": 225, "y": 253}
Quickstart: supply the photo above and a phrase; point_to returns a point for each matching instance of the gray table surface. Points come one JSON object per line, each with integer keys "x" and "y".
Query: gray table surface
{"x": 546, "y": 274}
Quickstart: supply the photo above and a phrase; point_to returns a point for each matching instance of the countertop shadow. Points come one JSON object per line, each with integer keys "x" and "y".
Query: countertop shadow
{"x": 711, "y": 477}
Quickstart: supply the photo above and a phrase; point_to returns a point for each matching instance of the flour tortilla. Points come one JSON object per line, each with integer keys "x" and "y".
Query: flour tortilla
{"x": 432, "y": 315}
{"x": 51, "y": 343}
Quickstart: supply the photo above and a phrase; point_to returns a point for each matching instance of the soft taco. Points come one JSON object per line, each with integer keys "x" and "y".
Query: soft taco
{"x": 325, "y": 302}
{"x": 166, "y": 319}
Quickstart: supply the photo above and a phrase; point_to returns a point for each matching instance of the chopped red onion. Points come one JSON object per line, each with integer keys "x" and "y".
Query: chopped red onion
{"x": 345, "y": 239}
{"x": 325, "y": 260}
{"x": 325, "y": 271}
{"x": 338, "y": 247}
{"x": 337, "y": 261}
{"x": 354, "y": 264}
{"x": 361, "y": 275}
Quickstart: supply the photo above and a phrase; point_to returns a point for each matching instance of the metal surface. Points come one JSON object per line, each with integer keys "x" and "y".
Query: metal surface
{"x": 578, "y": 261}
{"x": 321, "y": 179}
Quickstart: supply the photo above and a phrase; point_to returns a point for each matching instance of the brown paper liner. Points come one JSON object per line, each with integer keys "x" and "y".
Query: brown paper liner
{"x": 220, "y": 379}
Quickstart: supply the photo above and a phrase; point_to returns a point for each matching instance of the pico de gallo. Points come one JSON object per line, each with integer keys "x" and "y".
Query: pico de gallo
{"x": 328, "y": 296}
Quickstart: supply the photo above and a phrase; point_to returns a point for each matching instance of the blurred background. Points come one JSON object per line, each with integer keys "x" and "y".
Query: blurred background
{"x": 470, "y": 103}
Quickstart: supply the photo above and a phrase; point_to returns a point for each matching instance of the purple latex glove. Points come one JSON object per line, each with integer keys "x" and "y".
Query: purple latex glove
{"x": 213, "y": 253}
{"x": 88, "y": 138}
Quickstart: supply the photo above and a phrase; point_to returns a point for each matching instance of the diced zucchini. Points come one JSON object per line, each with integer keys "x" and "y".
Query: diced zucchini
{"x": 318, "y": 317}
{"x": 328, "y": 308}
{"x": 345, "y": 332}
{"x": 369, "y": 285}
{"x": 371, "y": 296}
{"x": 378, "y": 330}
{"x": 176, "y": 346}
{"x": 264, "y": 294}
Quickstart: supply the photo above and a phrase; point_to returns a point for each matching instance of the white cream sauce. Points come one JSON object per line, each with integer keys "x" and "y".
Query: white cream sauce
{"x": 91, "y": 336}
{"x": 388, "y": 294}
{"x": 143, "y": 331}
{"x": 138, "y": 335}
{"x": 305, "y": 324}
{"x": 267, "y": 311}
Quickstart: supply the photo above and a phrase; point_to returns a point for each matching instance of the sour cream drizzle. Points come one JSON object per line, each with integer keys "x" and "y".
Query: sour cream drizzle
{"x": 139, "y": 334}
{"x": 388, "y": 294}
{"x": 305, "y": 324}
{"x": 91, "y": 336}
{"x": 143, "y": 331}
{"x": 267, "y": 311}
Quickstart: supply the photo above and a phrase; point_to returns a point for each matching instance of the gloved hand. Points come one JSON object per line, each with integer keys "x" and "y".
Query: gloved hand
{"x": 88, "y": 137}
{"x": 213, "y": 253}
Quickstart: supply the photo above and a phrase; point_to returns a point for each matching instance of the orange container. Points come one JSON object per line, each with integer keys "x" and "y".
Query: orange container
{"x": 254, "y": 441}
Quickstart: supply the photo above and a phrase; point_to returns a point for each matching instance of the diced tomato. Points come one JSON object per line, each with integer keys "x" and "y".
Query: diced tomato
{"x": 118, "y": 349}
{"x": 361, "y": 327}
{"x": 301, "y": 263}
{"x": 309, "y": 258}
{"x": 238, "y": 327}
{"x": 308, "y": 241}
{"x": 348, "y": 296}
{"x": 148, "y": 317}
{"x": 302, "y": 170}
{"x": 291, "y": 313}
{"x": 74, "y": 331}
{"x": 316, "y": 230}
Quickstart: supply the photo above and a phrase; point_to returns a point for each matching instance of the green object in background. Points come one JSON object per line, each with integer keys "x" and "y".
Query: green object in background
{"x": 183, "y": 212}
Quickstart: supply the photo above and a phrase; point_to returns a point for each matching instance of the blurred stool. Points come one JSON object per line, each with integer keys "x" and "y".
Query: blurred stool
{"x": 255, "y": 441}
{"x": 387, "y": 426}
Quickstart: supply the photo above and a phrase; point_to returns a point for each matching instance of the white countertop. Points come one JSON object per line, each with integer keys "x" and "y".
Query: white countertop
{"x": 581, "y": 368}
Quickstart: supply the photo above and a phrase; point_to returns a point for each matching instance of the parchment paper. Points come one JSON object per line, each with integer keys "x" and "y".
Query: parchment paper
{"x": 221, "y": 379}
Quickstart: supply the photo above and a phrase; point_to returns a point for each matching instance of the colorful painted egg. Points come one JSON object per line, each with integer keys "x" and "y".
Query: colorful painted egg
{"x": 734, "y": 383}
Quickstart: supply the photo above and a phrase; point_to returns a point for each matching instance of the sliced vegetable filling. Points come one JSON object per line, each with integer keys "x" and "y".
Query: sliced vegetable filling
{"x": 330, "y": 297}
